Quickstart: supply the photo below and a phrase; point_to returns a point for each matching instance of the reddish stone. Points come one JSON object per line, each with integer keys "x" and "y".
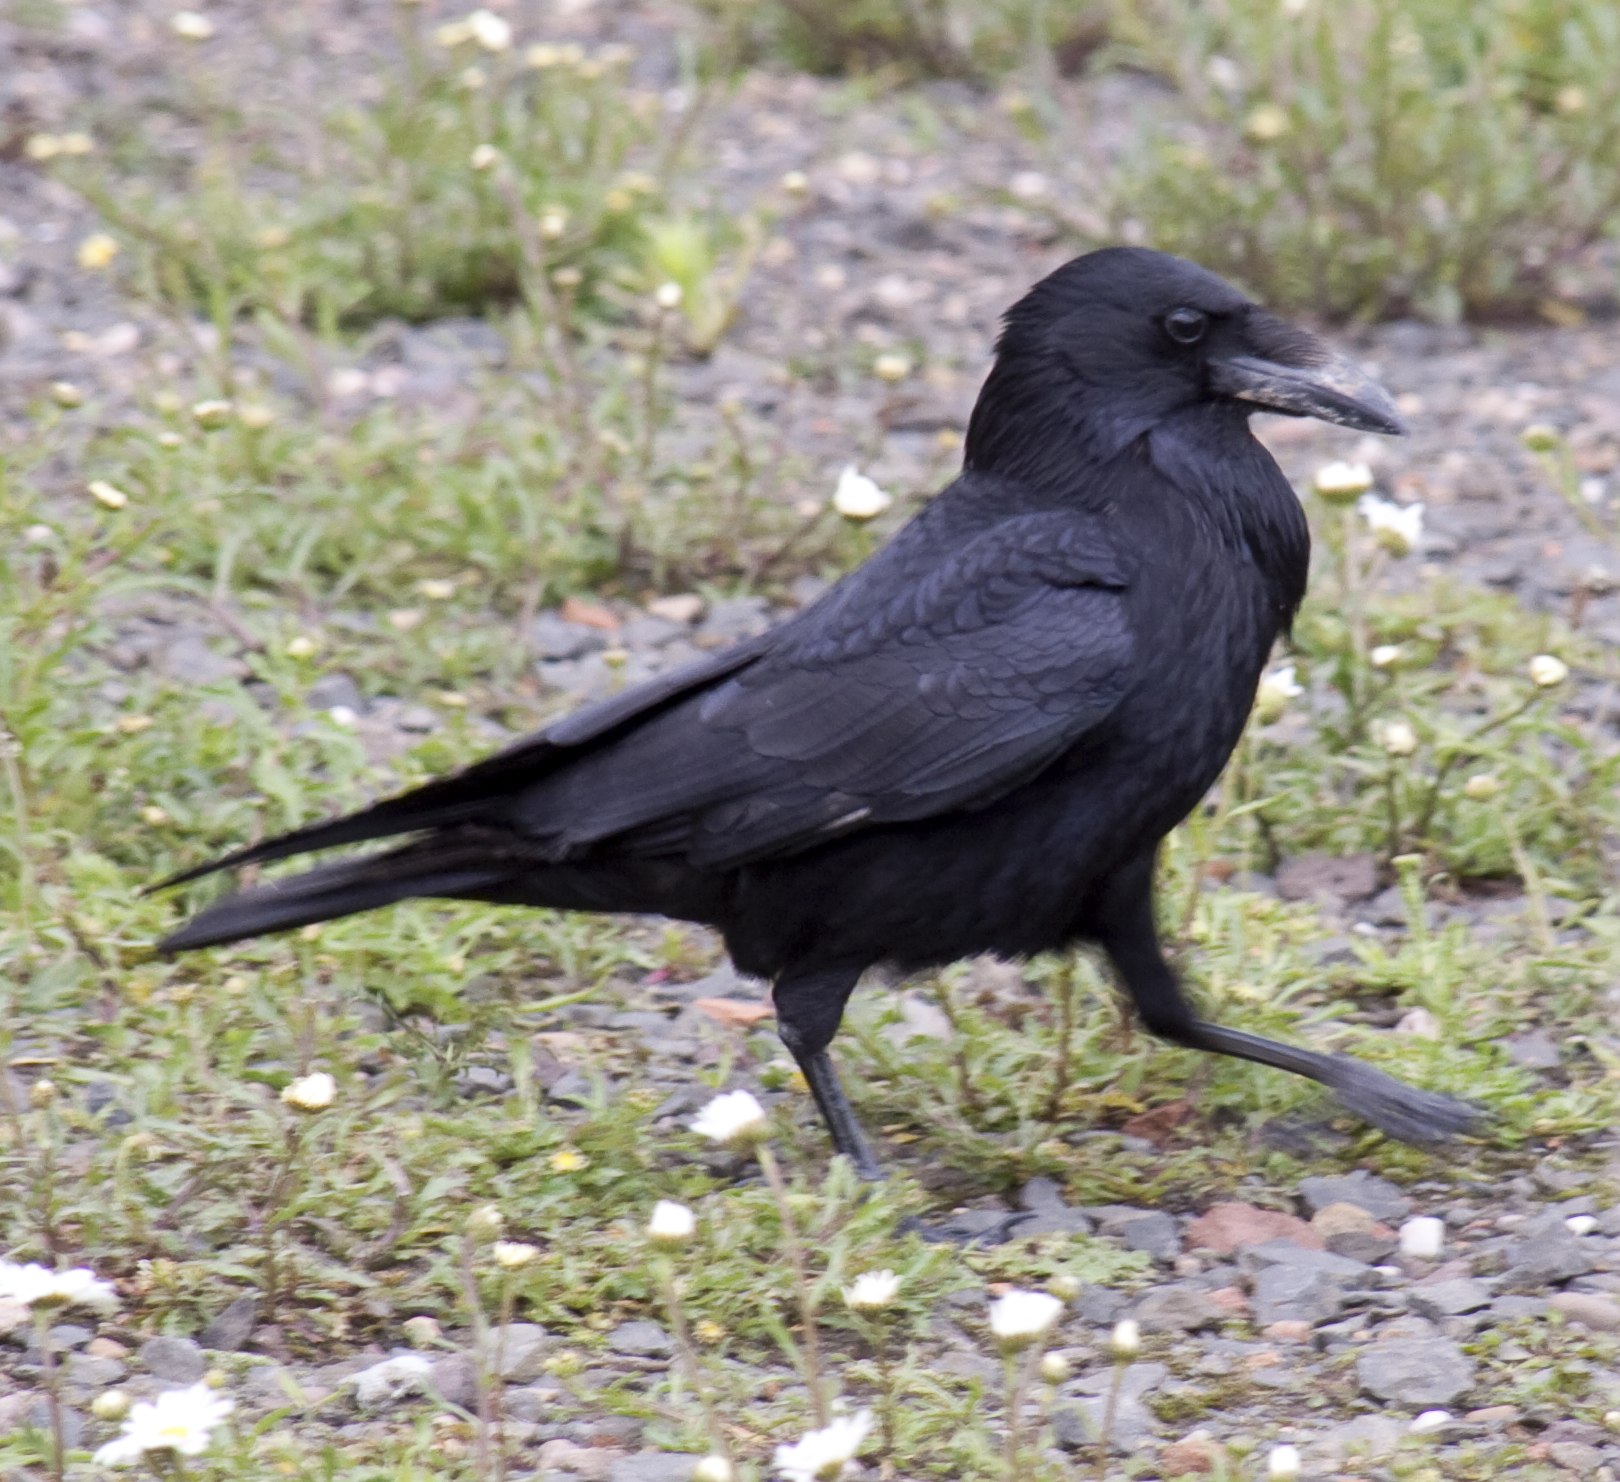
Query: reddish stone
{"x": 1158, "y": 1124}
{"x": 1195, "y": 1452}
{"x": 1225, "y": 1227}
{"x": 734, "y": 1012}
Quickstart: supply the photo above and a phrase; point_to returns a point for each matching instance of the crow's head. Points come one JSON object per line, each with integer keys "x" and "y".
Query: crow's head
{"x": 1117, "y": 341}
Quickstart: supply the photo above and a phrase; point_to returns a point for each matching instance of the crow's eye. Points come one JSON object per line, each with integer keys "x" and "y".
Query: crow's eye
{"x": 1186, "y": 326}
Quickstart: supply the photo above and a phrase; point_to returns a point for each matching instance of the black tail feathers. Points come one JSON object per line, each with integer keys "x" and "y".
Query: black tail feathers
{"x": 423, "y": 868}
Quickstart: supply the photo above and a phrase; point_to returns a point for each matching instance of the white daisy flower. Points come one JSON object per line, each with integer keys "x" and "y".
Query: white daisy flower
{"x": 1021, "y": 1317}
{"x": 733, "y": 1117}
{"x": 1396, "y": 527}
{"x": 821, "y": 1455}
{"x": 35, "y": 1285}
{"x": 181, "y": 1421}
{"x": 872, "y": 1291}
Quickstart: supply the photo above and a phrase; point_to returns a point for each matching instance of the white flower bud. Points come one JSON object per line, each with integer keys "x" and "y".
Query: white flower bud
{"x": 672, "y": 1225}
{"x": 1342, "y": 483}
{"x": 1547, "y": 671}
{"x": 1398, "y": 738}
{"x": 1055, "y": 1368}
{"x": 311, "y": 1093}
{"x": 857, "y": 497}
{"x": 1020, "y": 1317}
{"x": 1283, "y": 1464}
{"x": 1125, "y": 1342}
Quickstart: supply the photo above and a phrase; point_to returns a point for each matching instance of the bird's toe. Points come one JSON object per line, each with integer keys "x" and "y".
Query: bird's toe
{"x": 1406, "y": 1112}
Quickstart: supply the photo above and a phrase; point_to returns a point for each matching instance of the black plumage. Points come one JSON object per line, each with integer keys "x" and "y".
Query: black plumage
{"x": 973, "y": 743}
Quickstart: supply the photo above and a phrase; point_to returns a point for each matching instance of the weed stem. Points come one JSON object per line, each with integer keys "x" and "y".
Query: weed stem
{"x": 811, "y": 1346}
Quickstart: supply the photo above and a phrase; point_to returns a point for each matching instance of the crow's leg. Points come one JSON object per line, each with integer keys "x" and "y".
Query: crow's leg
{"x": 809, "y": 1009}
{"x": 1124, "y": 926}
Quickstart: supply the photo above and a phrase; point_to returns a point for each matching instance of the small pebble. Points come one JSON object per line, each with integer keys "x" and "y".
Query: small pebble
{"x": 1423, "y": 1238}
{"x": 1428, "y": 1421}
{"x": 1581, "y": 1224}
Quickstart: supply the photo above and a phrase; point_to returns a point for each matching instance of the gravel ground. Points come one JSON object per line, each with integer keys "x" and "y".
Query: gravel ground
{"x": 1357, "y": 1322}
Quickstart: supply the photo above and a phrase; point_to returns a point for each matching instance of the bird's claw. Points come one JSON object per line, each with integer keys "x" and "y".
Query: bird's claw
{"x": 1404, "y": 1112}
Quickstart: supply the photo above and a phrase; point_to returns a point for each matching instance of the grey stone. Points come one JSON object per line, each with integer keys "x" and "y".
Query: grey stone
{"x": 178, "y": 1360}
{"x": 1516, "y": 1308}
{"x": 454, "y": 1378}
{"x": 980, "y": 1227}
{"x": 72, "y": 1423}
{"x": 1155, "y": 1233}
{"x": 1534, "y": 1049}
{"x": 1437, "y": 1299}
{"x": 1177, "y": 1308}
{"x": 482, "y": 1080}
{"x": 518, "y": 1350}
{"x": 331, "y": 690}
{"x": 1415, "y": 1371}
{"x": 272, "y": 1382}
{"x": 233, "y": 1327}
{"x": 1049, "y": 1214}
{"x": 1256, "y": 1258}
{"x": 1546, "y": 1252}
{"x": 1310, "y": 876}
{"x": 553, "y": 638}
{"x": 392, "y": 1380}
{"x": 645, "y": 1339}
{"x": 919, "y": 1019}
{"x": 572, "y": 1088}
{"x": 1077, "y": 1419}
{"x": 528, "y": 1404}
{"x": 650, "y": 632}
{"x": 1387, "y": 908}
{"x": 1366, "y": 1438}
{"x": 1362, "y": 1245}
{"x": 1296, "y": 1294}
{"x": 1380, "y": 1198}
{"x": 93, "y": 1373}
{"x": 654, "y": 1466}
{"x": 417, "y": 719}
{"x": 969, "y": 1366}
{"x": 735, "y": 617}
{"x": 1575, "y": 1456}
{"x": 1101, "y": 1306}
{"x": 191, "y": 661}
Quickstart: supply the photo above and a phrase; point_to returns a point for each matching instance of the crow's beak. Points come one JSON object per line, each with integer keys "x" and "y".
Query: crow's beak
{"x": 1331, "y": 387}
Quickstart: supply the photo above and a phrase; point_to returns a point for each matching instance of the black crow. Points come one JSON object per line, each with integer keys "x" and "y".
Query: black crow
{"x": 972, "y": 744}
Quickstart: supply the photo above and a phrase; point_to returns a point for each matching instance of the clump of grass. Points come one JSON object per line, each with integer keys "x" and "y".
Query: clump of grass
{"x": 912, "y": 39}
{"x": 396, "y": 211}
{"x": 1377, "y": 158}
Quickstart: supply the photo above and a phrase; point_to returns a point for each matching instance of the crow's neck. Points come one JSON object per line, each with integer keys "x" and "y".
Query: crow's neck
{"x": 1060, "y": 446}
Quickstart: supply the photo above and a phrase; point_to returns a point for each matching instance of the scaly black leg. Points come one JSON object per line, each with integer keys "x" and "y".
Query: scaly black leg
{"x": 838, "y": 1114}
{"x": 808, "y": 1012}
{"x": 1125, "y": 928}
